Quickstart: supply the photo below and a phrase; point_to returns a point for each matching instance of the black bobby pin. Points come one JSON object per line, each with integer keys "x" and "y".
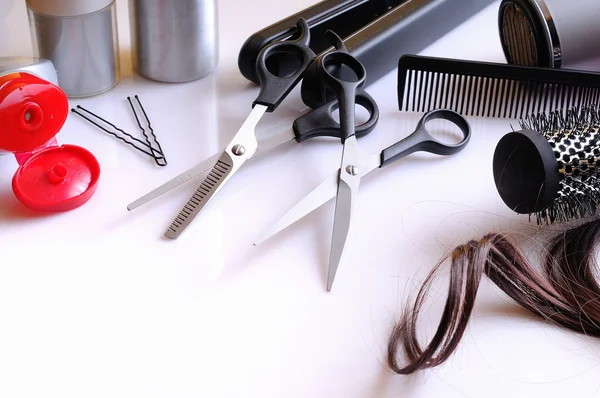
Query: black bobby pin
{"x": 159, "y": 150}
{"x": 155, "y": 153}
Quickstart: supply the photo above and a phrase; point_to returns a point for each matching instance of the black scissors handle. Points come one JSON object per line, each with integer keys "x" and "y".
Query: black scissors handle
{"x": 345, "y": 76}
{"x": 320, "y": 123}
{"x": 422, "y": 141}
{"x": 274, "y": 88}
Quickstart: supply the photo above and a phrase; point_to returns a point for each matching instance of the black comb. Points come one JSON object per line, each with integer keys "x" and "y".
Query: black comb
{"x": 474, "y": 88}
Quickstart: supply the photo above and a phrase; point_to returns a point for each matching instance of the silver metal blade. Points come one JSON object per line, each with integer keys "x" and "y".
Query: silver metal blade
{"x": 350, "y": 176}
{"x": 242, "y": 147}
{"x": 200, "y": 168}
{"x": 205, "y": 166}
{"x": 317, "y": 198}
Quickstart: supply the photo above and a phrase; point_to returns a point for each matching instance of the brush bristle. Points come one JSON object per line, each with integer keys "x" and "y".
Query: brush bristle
{"x": 575, "y": 138}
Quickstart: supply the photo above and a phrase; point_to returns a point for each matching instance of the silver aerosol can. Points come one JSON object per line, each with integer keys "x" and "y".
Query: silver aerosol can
{"x": 80, "y": 38}
{"x": 174, "y": 41}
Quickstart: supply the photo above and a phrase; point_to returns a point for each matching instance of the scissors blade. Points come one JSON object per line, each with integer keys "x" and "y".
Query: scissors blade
{"x": 316, "y": 198}
{"x": 265, "y": 145}
{"x": 242, "y": 147}
{"x": 199, "y": 169}
{"x": 349, "y": 181}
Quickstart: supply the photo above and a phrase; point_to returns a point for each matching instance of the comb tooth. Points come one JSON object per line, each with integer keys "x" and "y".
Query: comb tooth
{"x": 403, "y": 77}
{"x": 502, "y": 97}
{"x": 421, "y": 91}
{"x": 440, "y": 92}
{"x": 463, "y": 96}
{"x": 531, "y": 97}
{"x": 429, "y": 92}
{"x": 588, "y": 92}
{"x": 414, "y": 89}
{"x": 450, "y": 79}
{"x": 552, "y": 97}
{"x": 456, "y": 94}
{"x": 461, "y": 93}
{"x": 557, "y": 104}
{"x": 515, "y": 91}
{"x": 451, "y": 91}
{"x": 423, "y": 98}
{"x": 497, "y": 90}
{"x": 572, "y": 96}
{"x": 475, "y": 98}
{"x": 469, "y": 94}
{"x": 405, "y": 84}
{"x": 563, "y": 98}
{"x": 483, "y": 96}
{"x": 526, "y": 91}
{"x": 540, "y": 98}
{"x": 506, "y": 96}
{"x": 433, "y": 90}
{"x": 493, "y": 88}
{"x": 486, "y": 95}
{"x": 579, "y": 97}
{"x": 547, "y": 96}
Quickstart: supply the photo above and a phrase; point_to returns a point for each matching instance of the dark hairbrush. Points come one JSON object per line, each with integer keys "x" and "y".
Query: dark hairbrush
{"x": 551, "y": 167}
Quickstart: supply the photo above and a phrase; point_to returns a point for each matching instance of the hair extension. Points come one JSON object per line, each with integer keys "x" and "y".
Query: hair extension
{"x": 570, "y": 265}
{"x": 564, "y": 293}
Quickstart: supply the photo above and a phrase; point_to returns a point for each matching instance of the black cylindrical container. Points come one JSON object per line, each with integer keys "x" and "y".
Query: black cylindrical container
{"x": 550, "y": 33}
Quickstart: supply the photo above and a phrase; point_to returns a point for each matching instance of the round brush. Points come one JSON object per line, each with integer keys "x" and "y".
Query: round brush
{"x": 551, "y": 167}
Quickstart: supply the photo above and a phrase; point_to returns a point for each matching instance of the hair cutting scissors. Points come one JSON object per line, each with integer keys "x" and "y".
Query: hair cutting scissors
{"x": 344, "y": 184}
{"x": 245, "y": 145}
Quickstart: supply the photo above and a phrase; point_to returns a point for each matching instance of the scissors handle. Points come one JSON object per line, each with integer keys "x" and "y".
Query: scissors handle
{"x": 421, "y": 140}
{"x": 274, "y": 88}
{"x": 345, "y": 76}
{"x": 320, "y": 123}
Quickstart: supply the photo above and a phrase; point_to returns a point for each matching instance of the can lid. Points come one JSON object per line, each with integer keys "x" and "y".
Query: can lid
{"x": 57, "y": 179}
{"x": 32, "y": 111}
{"x": 67, "y": 8}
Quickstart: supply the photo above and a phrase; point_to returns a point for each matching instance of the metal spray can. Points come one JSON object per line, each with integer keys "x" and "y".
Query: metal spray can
{"x": 80, "y": 38}
{"x": 174, "y": 41}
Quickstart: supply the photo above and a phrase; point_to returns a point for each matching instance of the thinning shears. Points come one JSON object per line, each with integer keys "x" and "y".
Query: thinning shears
{"x": 344, "y": 183}
{"x": 245, "y": 145}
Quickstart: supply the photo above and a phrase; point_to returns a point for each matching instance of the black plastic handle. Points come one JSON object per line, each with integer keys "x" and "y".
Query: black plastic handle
{"x": 422, "y": 140}
{"x": 273, "y": 88}
{"x": 320, "y": 122}
{"x": 345, "y": 88}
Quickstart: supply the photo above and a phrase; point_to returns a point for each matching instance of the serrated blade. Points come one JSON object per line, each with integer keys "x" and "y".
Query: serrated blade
{"x": 181, "y": 179}
{"x": 242, "y": 147}
{"x": 265, "y": 145}
{"x": 219, "y": 174}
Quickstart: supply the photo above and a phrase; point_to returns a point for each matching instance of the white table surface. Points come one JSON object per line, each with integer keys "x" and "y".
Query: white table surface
{"x": 95, "y": 303}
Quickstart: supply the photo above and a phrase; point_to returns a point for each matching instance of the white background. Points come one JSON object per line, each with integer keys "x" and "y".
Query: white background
{"x": 95, "y": 303}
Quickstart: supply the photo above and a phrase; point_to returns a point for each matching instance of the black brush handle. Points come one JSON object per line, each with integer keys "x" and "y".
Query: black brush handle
{"x": 408, "y": 28}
